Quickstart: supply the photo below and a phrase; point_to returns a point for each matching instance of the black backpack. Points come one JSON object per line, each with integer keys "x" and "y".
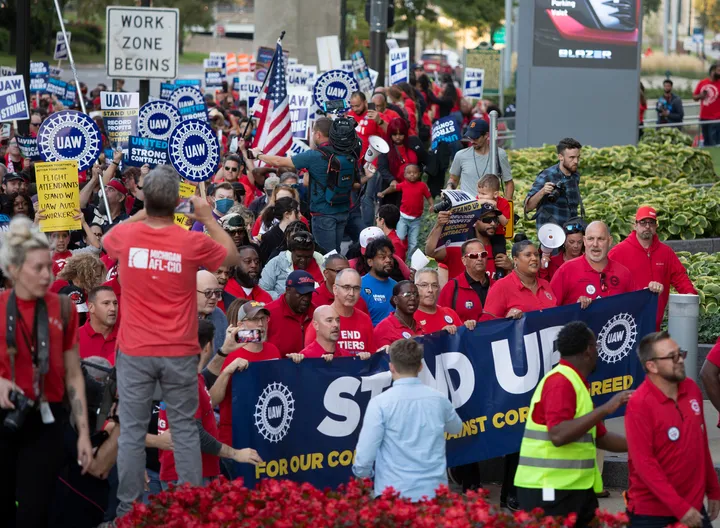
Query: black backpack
{"x": 339, "y": 186}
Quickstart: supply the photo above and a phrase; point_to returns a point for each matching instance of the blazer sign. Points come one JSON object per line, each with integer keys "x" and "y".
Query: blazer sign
{"x": 142, "y": 42}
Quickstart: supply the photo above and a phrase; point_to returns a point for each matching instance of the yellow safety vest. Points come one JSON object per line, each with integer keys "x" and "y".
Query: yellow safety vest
{"x": 569, "y": 467}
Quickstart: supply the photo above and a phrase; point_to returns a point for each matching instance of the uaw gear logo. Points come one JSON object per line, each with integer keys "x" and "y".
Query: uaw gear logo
{"x": 158, "y": 119}
{"x": 333, "y": 85}
{"x": 70, "y": 135}
{"x": 617, "y": 338}
{"x": 274, "y": 412}
{"x": 190, "y": 102}
{"x": 695, "y": 406}
{"x": 194, "y": 150}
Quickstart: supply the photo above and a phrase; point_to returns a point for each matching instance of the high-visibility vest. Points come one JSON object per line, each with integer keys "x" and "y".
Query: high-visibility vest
{"x": 569, "y": 467}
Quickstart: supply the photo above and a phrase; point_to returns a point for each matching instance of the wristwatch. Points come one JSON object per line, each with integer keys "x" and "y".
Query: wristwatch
{"x": 220, "y": 353}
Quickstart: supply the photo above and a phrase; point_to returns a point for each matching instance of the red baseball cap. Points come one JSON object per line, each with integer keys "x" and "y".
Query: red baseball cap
{"x": 645, "y": 211}
{"x": 118, "y": 186}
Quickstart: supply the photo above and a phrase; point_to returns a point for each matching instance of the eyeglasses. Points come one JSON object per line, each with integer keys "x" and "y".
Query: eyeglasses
{"x": 408, "y": 295}
{"x": 603, "y": 284}
{"x": 232, "y": 169}
{"x": 646, "y": 222}
{"x": 428, "y": 285}
{"x": 476, "y": 255}
{"x": 490, "y": 220}
{"x": 347, "y": 288}
{"x": 210, "y": 293}
{"x": 675, "y": 356}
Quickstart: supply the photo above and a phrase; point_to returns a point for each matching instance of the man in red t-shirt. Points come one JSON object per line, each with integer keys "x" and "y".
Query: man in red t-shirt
{"x": 158, "y": 261}
{"x": 356, "y": 328}
{"x": 244, "y": 282}
{"x": 369, "y": 122}
{"x": 326, "y": 323}
{"x": 708, "y": 93}
{"x": 291, "y": 313}
{"x": 323, "y": 294}
{"x": 98, "y": 336}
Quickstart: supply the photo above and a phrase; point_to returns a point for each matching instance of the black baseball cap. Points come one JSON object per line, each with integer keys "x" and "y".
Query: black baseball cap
{"x": 12, "y": 176}
{"x": 487, "y": 209}
{"x": 477, "y": 128}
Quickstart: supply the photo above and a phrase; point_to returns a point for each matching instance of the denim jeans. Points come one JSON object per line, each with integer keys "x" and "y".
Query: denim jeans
{"x": 328, "y": 230}
{"x": 355, "y": 224}
{"x": 154, "y": 485}
{"x": 711, "y": 134}
{"x": 369, "y": 199}
{"x": 410, "y": 230}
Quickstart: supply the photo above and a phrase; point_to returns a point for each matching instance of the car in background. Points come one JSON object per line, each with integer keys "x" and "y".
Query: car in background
{"x": 442, "y": 62}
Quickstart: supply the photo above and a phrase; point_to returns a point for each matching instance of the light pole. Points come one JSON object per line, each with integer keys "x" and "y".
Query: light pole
{"x": 378, "y": 35}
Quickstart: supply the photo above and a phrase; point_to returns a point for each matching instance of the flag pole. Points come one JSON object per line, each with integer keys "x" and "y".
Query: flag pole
{"x": 262, "y": 87}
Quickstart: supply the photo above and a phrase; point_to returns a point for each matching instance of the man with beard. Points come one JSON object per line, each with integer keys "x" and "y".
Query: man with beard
{"x": 324, "y": 294}
{"x": 245, "y": 277}
{"x": 291, "y": 313}
{"x": 669, "y": 106}
{"x": 556, "y": 191}
{"x": 208, "y": 294}
{"x": 670, "y": 468}
{"x": 377, "y": 286}
{"x": 707, "y": 92}
{"x": 451, "y": 254}
{"x": 594, "y": 275}
{"x": 472, "y": 163}
{"x": 650, "y": 261}
{"x": 99, "y": 333}
{"x": 234, "y": 225}
{"x": 356, "y": 327}
{"x": 557, "y": 470}
{"x": 466, "y": 293}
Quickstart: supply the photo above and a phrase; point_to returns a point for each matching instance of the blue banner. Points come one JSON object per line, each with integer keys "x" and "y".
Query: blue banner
{"x": 304, "y": 419}
{"x": 444, "y": 130}
{"x": 188, "y": 82}
{"x": 146, "y": 150}
{"x": 39, "y": 75}
{"x": 70, "y": 95}
{"x": 56, "y": 87}
{"x": 13, "y": 102}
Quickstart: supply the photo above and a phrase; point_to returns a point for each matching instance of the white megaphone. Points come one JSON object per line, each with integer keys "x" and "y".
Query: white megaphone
{"x": 376, "y": 146}
{"x": 551, "y": 236}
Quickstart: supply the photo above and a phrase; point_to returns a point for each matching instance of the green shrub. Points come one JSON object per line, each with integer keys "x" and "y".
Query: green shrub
{"x": 4, "y": 40}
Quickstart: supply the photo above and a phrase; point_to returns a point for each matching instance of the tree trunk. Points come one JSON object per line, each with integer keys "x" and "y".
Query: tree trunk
{"x": 412, "y": 34}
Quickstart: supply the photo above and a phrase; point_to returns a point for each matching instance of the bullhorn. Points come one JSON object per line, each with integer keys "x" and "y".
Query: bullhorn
{"x": 376, "y": 146}
{"x": 551, "y": 236}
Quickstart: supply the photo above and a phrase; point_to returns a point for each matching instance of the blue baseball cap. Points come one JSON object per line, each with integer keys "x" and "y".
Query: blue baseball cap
{"x": 302, "y": 281}
{"x": 477, "y": 128}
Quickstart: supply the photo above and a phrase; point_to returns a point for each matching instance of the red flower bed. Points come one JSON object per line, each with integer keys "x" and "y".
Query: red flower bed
{"x": 285, "y": 504}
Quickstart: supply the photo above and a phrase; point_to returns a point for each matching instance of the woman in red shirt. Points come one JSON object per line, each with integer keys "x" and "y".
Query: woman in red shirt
{"x": 401, "y": 323}
{"x": 391, "y": 166}
{"x": 32, "y": 451}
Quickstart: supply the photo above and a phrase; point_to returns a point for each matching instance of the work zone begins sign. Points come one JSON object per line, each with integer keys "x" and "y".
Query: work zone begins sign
{"x": 142, "y": 42}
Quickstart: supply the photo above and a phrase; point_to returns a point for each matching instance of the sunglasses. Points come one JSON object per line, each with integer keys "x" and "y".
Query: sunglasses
{"x": 302, "y": 239}
{"x": 232, "y": 169}
{"x": 209, "y": 294}
{"x": 603, "y": 284}
{"x": 490, "y": 220}
{"x": 477, "y": 255}
{"x": 408, "y": 295}
{"x": 680, "y": 353}
{"x": 574, "y": 228}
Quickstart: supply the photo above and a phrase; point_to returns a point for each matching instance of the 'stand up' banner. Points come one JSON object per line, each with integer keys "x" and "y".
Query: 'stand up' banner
{"x": 304, "y": 419}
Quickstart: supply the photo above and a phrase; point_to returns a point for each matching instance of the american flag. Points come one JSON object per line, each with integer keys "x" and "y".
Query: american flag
{"x": 274, "y": 133}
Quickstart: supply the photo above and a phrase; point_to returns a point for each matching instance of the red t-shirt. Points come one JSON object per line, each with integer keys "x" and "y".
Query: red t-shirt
{"x": 314, "y": 350}
{"x": 268, "y": 352}
{"x": 400, "y": 246}
{"x": 157, "y": 269}
{"x": 251, "y": 192}
{"x": 287, "y": 329}
{"x": 413, "y": 194}
{"x": 391, "y": 329}
{"x": 714, "y": 358}
{"x": 504, "y": 207}
{"x": 555, "y": 262}
{"x": 110, "y": 266}
{"x": 576, "y": 278}
{"x": 453, "y": 260}
{"x": 509, "y": 292}
{"x": 59, "y": 261}
{"x": 670, "y": 468}
{"x": 356, "y": 335}
{"x": 324, "y": 297}
{"x": 205, "y": 413}
{"x": 60, "y": 342}
{"x": 365, "y": 128}
{"x": 442, "y": 317}
{"x": 93, "y": 343}
{"x": 710, "y": 106}
{"x": 558, "y": 401}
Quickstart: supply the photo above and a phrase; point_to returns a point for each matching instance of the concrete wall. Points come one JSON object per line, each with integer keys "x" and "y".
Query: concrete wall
{"x": 302, "y": 20}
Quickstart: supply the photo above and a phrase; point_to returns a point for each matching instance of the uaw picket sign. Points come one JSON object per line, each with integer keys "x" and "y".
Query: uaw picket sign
{"x": 70, "y": 135}
{"x": 39, "y": 75}
{"x": 194, "y": 150}
{"x": 334, "y": 85}
{"x": 28, "y": 147}
{"x": 190, "y": 102}
{"x": 157, "y": 119}
{"x": 13, "y": 101}
{"x": 142, "y": 42}
{"x": 304, "y": 419}
{"x": 120, "y": 115}
{"x": 148, "y": 151}
{"x": 473, "y": 82}
{"x": 166, "y": 90}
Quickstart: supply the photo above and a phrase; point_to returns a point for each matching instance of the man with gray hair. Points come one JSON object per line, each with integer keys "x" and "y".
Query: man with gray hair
{"x": 158, "y": 261}
{"x": 430, "y": 316}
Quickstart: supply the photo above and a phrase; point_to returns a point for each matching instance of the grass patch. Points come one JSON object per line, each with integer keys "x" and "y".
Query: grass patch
{"x": 715, "y": 155}
{"x": 91, "y": 58}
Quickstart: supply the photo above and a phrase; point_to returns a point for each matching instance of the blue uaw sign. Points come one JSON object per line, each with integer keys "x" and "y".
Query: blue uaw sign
{"x": 194, "y": 150}
{"x": 333, "y": 85}
{"x": 150, "y": 151}
{"x": 28, "y": 147}
{"x": 304, "y": 419}
{"x": 166, "y": 90}
{"x": 13, "y": 101}
{"x": 157, "y": 119}
{"x": 190, "y": 102}
{"x": 70, "y": 135}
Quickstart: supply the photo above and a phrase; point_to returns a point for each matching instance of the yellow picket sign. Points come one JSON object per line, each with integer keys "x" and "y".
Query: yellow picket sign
{"x": 186, "y": 191}
{"x": 58, "y": 194}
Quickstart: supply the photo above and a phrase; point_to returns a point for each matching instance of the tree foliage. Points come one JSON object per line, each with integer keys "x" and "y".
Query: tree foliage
{"x": 482, "y": 15}
{"x": 650, "y": 6}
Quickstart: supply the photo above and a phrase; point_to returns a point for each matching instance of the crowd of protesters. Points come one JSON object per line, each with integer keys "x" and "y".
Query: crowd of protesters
{"x": 277, "y": 265}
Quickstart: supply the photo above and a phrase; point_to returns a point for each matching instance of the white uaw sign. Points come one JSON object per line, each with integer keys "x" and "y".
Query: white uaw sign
{"x": 142, "y": 42}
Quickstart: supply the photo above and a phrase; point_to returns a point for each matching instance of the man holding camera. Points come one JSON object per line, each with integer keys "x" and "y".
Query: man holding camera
{"x": 556, "y": 191}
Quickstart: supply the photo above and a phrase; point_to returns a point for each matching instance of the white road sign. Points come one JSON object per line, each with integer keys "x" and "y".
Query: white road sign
{"x": 142, "y": 42}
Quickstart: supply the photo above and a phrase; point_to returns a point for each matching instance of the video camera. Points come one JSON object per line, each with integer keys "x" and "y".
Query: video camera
{"x": 101, "y": 394}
